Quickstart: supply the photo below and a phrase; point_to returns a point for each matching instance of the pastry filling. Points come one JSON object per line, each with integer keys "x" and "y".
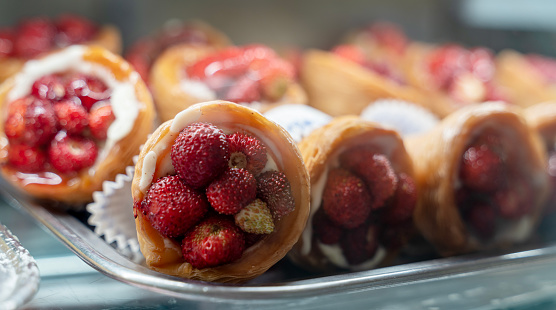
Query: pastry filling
{"x": 246, "y": 75}
{"x": 367, "y": 207}
{"x": 224, "y": 196}
{"x": 546, "y": 66}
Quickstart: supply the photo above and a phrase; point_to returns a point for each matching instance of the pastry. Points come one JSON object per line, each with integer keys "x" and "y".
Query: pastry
{"x": 37, "y": 36}
{"x": 481, "y": 172}
{"x": 235, "y": 170}
{"x": 251, "y": 75}
{"x": 71, "y": 120}
{"x": 362, "y": 196}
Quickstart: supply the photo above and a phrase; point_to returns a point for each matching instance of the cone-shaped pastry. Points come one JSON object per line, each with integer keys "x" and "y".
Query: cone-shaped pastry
{"x": 252, "y": 75}
{"x": 362, "y": 196}
{"x": 70, "y": 121}
{"x": 241, "y": 187}
{"x": 481, "y": 172}
{"x": 37, "y": 36}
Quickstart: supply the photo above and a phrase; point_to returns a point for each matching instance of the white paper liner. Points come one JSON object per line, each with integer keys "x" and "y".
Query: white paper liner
{"x": 297, "y": 119}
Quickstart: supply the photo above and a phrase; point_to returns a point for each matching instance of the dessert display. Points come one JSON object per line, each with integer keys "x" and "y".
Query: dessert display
{"x": 71, "y": 120}
{"x": 482, "y": 177}
{"x": 251, "y": 75}
{"x": 363, "y": 195}
{"x": 220, "y": 194}
{"x": 37, "y": 36}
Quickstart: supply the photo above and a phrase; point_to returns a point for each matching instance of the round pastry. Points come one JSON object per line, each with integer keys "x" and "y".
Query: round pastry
{"x": 37, "y": 36}
{"x": 252, "y": 75}
{"x": 481, "y": 172}
{"x": 362, "y": 196}
{"x": 221, "y": 165}
{"x": 71, "y": 120}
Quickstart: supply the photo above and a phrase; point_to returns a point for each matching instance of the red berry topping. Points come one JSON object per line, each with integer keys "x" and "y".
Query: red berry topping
{"x": 74, "y": 29}
{"x": 232, "y": 191}
{"x": 89, "y": 90}
{"x": 71, "y": 153}
{"x": 7, "y": 38}
{"x": 72, "y": 117}
{"x": 214, "y": 241}
{"x": 30, "y": 121}
{"x": 403, "y": 202}
{"x": 173, "y": 207}
{"x": 274, "y": 188}
{"x": 544, "y": 65}
{"x": 389, "y": 35}
{"x": 482, "y": 218}
{"x": 326, "y": 231}
{"x": 245, "y": 89}
{"x": 482, "y": 63}
{"x": 34, "y": 37}
{"x": 359, "y": 244}
{"x": 351, "y": 52}
{"x": 275, "y": 76}
{"x": 200, "y": 154}
{"x": 49, "y": 87}
{"x": 100, "y": 119}
{"x": 345, "y": 199}
{"x": 246, "y": 152}
{"x": 516, "y": 200}
{"x": 26, "y": 158}
{"x": 447, "y": 62}
{"x": 482, "y": 169}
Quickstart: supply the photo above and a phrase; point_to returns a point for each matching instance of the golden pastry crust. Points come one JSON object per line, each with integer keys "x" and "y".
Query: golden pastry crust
{"x": 79, "y": 188}
{"x": 169, "y": 70}
{"x": 437, "y": 155}
{"x": 163, "y": 254}
{"x": 319, "y": 151}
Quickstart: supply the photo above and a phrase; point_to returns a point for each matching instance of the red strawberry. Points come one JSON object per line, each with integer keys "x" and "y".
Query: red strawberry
{"x": 100, "y": 119}
{"x": 141, "y": 56}
{"x": 345, "y": 199}
{"x": 396, "y": 235}
{"x": 72, "y": 117}
{"x": 447, "y": 62}
{"x": 173, "y": 207}
{"x": 7, "y": 38}
{"x": 275, "y": 76}
{"x": 74, "y": 29}
{"x": 325, "y": 230}
{"x": 546, "y": 66}
{"x": 215, "y": 241}
{"x": 200, "y": 154}
{"x": 482, "y": 169}
{"x": 359, "y": 244}
{"x": 351, "y": 52}
{"x": 274, "y": 188}
{"x": 49, "y": 87}
{"x": 88, "y": 89}
{"x": 389, "y": 35}
{"x": 15, "y": 125}
{"x": 404, "y": 201}
{"x": 516, "y": 200}
{"x": 71, "y": 154}
{"x": 225, "y": 62}
{"x": 246, "y": 152}
{"x": 232, "y": 191}
{"x": 34, "y": 37}
{"x": 26, "y": 158}
{"x": 30, "y": 121}
{"x": 245, "y": 89}
{"x": 482, "y": 218}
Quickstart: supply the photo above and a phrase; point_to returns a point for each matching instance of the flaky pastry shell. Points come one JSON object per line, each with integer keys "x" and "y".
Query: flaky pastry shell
{"x": 437, "y": 155}
{"x": 163, "y": 254}
{"x": 79, "y": 188}
{"x": 320, "y": 151}
{"x": 169, "y": 70}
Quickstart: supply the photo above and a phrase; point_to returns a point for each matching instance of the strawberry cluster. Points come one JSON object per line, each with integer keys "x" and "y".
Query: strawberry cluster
{"x": 364, "y": 202}
{"x": 219, "y": 202}
{"x": 36, "y": 36}
{"x": 244, "y": 74}
{"x": 59, "y": 125}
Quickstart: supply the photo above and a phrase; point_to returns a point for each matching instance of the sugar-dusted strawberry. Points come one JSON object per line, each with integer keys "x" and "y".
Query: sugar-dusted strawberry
{"x": 345, "y": 199}
{"x": 49, "y": 87}
{"x": 246, "y": 152}
{"x": 255, "y": 218}
{"x": 200, "y": 153}
{"x": 359, "y": 244}
{"x": 34, "y": 37}
{"x": 482, "y": 168}
{"x": 325, "y": 230}
{"x": 30, "y": 121}
{"x": 173, "y": 207}
{"x": 69, "y": 154}
{"x": 482, "y": 219}
{"x": 274, "y": 188}
{"x": 515, "y": 200}
{"x": 245, "y": 89}
{"x": 72, "y": 117}
{"x": 74, "y": 29}
{"x": 89, "y": 90}
{"x": 100, "y": 119}
{"x": 26, "y": 158}
{"x": 215, "y": 241}
{"x": 275, "y": 75}
{"x": 232, "y": 190}
{"x": 403, "y": 202}
{"x": 7, "y": 38}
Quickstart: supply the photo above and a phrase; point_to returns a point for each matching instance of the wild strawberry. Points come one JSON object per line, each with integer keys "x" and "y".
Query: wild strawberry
{"x": 49, "y": 87}
{"x": 373, "y": 168}
{"x": 231, "y": 191}
{"x": 351, "y": 52}
{"x": 274, "y": 188}
{"x": 71, "y": 153}
{"x": 30, "y": 121}
{"x": 275, "y": 76}
{"x": 403, "y": 202}
{"x": 447, "y": 62}
{"x": 482, "y": 219}
{"x": 26, "y": 158}
{"x": 482, "y": 169}
{"x": 246, "y": 152}
{"x": 200, "y": 154}
{"x": 396, "y": 235}
{"x": 546, "y": 66}
{"x": 100, "y": 119}
{"x": 245, "y": 89}
{"x": 251, "y": 239}
{"x": 345, "y": 199}
{"x": 514, "y": 201}
{"x": 226, "y": 62}
{"x": 15, "y": 125}
{"x": 359, "y": 244}
{"x": 74, "y": 29}
{"x": 389, "y": 35}
{"x": 7, "y": 38}
{"x": 173, "y": 207}
{"x": 89, "y": 90}
{"x": 325, "y": 230}
{"x": 34, "y": 37}
{"x": 255, "y": 218}
{"x": 214, "y": 241}
{"x": 72, "y": 117}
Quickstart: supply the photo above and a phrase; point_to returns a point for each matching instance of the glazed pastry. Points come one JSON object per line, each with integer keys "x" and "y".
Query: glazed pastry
{"x": 71, "y": 120}
{"x": 362, "y": 196}
{"x": 228, "y": 167}
{"x": 251, "y": 75}
{"x": 528, "y": 79}
{"x": 481, "y": 172}
{"x": 34, "y": 37}
{"x": 145, "y": 51}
